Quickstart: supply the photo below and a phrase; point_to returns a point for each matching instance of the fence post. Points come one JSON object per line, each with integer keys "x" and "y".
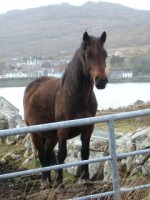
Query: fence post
{"x": 114, "y": 165}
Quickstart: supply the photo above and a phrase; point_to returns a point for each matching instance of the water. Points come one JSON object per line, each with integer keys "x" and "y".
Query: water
{"x": 122, "y": 94}
{"x": 114, "y": 96}
{"x": 14, "y": 95}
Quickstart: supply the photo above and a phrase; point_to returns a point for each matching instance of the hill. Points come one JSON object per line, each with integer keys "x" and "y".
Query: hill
{"x": 51, "y": 30}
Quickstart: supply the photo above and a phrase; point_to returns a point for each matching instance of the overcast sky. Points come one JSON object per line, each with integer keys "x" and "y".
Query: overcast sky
{"x": 6, "y": 5}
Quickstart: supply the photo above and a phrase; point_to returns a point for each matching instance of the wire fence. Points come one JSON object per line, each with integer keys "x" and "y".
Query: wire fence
{"x": 113, "y": 157}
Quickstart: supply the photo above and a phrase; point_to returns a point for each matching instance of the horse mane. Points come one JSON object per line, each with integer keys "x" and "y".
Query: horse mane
{"x": 74, "y": 73}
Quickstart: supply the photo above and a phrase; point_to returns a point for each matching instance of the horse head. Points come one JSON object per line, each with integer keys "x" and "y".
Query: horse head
{"x": 95, "y": 58}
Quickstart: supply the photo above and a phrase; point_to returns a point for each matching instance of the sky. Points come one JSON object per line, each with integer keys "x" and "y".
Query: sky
{"x": 7, "y": 5}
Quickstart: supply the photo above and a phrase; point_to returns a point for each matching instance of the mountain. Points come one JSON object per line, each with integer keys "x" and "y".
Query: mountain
{"x": 49, "y": 30}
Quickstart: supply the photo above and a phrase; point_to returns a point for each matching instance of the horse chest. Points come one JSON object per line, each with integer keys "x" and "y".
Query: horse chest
{"x": 67, "y": 110}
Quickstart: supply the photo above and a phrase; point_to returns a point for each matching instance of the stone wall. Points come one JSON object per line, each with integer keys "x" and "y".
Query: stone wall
{"x": 99, "y": 147}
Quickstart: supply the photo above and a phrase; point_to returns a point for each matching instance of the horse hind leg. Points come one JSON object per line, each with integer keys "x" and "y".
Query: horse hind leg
{"x": 50, "y": 154}
{"x": 39, "y": 142}
{"x": 62, "y": 153}
{"x": 49, "y": 148}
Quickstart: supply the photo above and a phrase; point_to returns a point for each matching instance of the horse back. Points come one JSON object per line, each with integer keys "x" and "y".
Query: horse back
{"x": 39, "y": 100}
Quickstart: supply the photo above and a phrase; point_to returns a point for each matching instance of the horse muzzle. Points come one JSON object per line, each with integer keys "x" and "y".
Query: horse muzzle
{"x": 101, "y": 83}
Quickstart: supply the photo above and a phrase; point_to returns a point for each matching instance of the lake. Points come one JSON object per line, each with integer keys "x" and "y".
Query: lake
{"x": 113, "y": 96}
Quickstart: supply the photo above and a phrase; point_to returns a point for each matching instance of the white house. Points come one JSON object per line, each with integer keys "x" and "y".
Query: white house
{"x": 127, "y": 74}
{"x": 121, "y": 74}
{"x": 15, "y": 75}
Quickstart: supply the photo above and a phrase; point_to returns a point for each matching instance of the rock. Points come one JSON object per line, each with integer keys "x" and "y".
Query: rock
{"x": 72, "y": 170}
{"x": 107, "y": 171}
{"x": 76, "y": 145}
{"x": 124, "y": 144}
{"x": 12, "y": 121}
{"x": 141, "y": 139}
{"x": 16, "y": 156}
{"x": 139, "y": 102}
{"x": 7, "y": 121}
{"x": 28, "y": 143}
{"x": 19, "y": 137}
{"x": 10, "y": 156}
{"x": 3, "y": 122}
{"x": 28, "y": 153}
{"x": 7, "y": 158}
{"x": 136, "y": 170}
{"x": 10, "y": 140}
{"x": 140, "y": 159}
{"x": 74, "y": 155}
{"x": 129, "y": 161}
{"x": 100, "y": 145}
{"x": 96, "y": 169}
{"x": 123, "y": 163}
{"x": 146, "y": 167}
{"x": 29, "y": 161}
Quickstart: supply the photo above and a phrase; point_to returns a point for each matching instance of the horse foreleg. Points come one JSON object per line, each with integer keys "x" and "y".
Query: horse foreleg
{"x": 85, "y": 139}
{"x": 85, "y": 156}
{"x": 62, "y": 153}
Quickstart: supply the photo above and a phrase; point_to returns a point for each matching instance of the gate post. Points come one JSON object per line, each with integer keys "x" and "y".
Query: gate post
{"x": 114, "y": 165}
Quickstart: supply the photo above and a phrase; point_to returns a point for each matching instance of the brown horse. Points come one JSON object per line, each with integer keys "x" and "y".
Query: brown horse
{"x": 49, "y": 99}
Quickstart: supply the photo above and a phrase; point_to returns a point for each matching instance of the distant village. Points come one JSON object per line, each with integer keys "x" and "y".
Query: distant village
{"x": 36, "y": 67}
{"x": 33, "y": 67}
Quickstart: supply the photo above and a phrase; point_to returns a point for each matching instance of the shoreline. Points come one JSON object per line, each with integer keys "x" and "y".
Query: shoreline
{"x": 23, "y": 82}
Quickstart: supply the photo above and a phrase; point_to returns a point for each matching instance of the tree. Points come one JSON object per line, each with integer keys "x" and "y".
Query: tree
{"x": 141, "y": 65}
{"x": 116, "y": 61}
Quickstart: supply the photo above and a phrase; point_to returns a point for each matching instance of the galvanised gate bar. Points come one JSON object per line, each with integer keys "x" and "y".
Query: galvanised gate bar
{"x": 112, "y": 157}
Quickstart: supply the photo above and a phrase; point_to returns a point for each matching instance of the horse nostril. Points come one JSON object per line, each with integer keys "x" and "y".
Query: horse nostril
{"x": 97, "y": 78}
{"x": 106, "y": 80}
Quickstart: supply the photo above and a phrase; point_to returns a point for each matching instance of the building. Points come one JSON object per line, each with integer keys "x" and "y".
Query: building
{"x": 127, "y": 74}
{"x": 121, "y": 74}
{"x": 7, "y": 107}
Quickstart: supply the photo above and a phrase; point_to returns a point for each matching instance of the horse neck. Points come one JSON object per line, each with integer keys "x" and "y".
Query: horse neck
{"x": 74, "y": 78}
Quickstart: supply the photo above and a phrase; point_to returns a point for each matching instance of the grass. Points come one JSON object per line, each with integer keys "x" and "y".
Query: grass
{"x": 136, "y": 180}
{"x": 73, "y": 190}
{"x": 127, "y": 125}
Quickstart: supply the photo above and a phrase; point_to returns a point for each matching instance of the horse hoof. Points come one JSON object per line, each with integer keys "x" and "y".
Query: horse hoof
{"x": 45, "y": 185}
{"x": 60, "y": 189}
{"x": 89, "y": 184}
{"x": 85, "y": 182}
{"x": 58, "y": 184}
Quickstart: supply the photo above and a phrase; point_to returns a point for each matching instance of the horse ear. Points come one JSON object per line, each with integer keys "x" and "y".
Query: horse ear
{"x": 86, "y": 37}
{"x": 103, "y": 38}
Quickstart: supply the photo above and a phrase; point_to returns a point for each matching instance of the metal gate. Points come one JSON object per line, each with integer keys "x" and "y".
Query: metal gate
{"x": 117, "y": 190}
